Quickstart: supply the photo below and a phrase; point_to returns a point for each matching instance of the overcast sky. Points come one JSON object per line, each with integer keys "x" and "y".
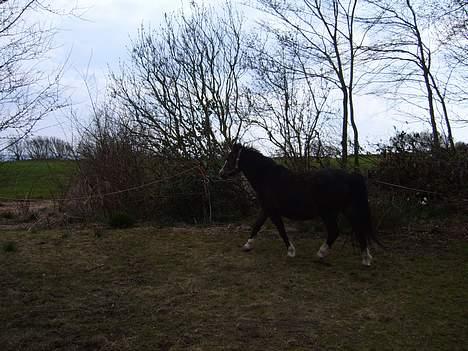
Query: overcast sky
{"x": 94, "y": 43}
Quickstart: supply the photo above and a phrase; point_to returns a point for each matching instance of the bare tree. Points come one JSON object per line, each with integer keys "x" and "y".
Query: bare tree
{"x": 27, "y": 93}
{"x": 182, "y": 85}
{"x": 38, "y": 148}
{"x": 17, "y": 149}
{"x": 290, "y": 107}
{"x": 451, "y": 18}
{"x": 60, "y": 149}
{"x": 454, "y": 16}
{"x": 402, "y": 43}
{"x": 327, "y": 33}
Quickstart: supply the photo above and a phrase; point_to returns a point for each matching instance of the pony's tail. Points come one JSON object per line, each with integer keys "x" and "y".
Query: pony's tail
{"x": 361, "y": 218}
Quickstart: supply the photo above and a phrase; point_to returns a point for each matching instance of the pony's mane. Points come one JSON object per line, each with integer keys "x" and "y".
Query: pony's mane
{"x": 265, "y": 161}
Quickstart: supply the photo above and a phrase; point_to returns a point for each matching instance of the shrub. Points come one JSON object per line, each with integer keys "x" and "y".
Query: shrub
{"x": 7, "y": 215}
{"x": 121, "y": 220}
{"x": 409, "y": 161}
{"x": 424, "y": 184}
{"x": 166, "y": 188}
{"x": 9, "y": 246}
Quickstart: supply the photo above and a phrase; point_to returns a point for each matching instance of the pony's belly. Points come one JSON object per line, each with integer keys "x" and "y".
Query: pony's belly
{"x": 299, "y": 213}
{"x": 300, "y": 216}
{"x": 290, "y": 205}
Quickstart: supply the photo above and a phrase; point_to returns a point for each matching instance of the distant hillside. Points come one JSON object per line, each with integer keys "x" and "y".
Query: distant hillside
{"x": 35, "y": 179}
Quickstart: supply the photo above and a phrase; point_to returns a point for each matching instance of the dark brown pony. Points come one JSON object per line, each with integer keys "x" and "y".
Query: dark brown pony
{"x": 324, "y": 193}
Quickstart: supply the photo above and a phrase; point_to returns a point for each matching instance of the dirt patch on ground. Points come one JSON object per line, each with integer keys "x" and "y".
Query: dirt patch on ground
{"x": 33, "y": 215}
{"x": 194, "y": 289}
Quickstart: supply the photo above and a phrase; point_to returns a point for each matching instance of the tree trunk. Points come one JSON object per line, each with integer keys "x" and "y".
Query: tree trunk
{"x": 344, "y": 131}
{"x": 355, "y": 129}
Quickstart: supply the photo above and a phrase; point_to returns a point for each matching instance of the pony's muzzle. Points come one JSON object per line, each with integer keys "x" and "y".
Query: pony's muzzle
{"x": 222, "y": 174}
{"x": 225, "y": 173}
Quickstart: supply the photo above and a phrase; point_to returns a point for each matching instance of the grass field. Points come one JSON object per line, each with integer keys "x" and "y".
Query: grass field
{"x": 35, "y": 179}
{"x": 193, "y": 289}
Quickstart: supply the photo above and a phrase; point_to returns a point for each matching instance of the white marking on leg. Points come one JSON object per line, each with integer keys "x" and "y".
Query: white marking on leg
{"x": 248, "y": 245}
{"x": 323, "y": 251}
{"x": 291, "y": 250}
{"x": 366, "y": 257}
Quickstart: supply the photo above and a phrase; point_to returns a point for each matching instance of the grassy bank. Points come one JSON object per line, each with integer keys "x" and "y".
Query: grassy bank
{"x": 35, "y": 179}
{"x": 193, "y": 289}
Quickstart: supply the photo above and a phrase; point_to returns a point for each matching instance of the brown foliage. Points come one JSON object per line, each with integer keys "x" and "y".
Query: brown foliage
{"x": 118, "y": 174}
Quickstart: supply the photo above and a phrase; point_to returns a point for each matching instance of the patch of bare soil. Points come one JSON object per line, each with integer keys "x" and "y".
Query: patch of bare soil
{"x": 31, "y": 215}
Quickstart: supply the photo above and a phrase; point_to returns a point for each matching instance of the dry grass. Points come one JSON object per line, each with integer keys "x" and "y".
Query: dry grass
{"x": 193, "y": 289}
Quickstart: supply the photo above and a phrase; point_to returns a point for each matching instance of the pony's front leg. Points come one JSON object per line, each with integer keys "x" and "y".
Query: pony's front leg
{"x": 366, "y": 257}
{"x": 331, "y": 225}
{"x": 255, "y": 229}
{"x": 278, "y": 222}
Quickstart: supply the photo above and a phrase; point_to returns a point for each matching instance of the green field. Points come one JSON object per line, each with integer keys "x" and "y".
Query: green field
{"x": 194, "y": 289}
{"x": 35, "y": 179}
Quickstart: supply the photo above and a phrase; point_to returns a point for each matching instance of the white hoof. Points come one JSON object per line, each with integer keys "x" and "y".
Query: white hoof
{"x": 291, "y": 250}
{"x": 248, "y": 245}
{"x": 323, "y": 251}
{"x": 366, "y": 258}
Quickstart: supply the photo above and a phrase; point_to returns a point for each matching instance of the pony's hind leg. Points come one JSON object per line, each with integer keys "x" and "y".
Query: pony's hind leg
{"x": 331, "y": 225}
{"x": 278, "y": 222}
{"x": 366, "y": 257}
{"x": 255, "y": 229}
{"x": 361, "y": 229}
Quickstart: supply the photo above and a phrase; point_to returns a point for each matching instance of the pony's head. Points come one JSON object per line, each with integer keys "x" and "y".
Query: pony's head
{"x": 231, "y": 165}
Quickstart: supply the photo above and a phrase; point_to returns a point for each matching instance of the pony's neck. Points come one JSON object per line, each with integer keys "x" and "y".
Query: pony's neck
{"x": 255, "y": 167}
